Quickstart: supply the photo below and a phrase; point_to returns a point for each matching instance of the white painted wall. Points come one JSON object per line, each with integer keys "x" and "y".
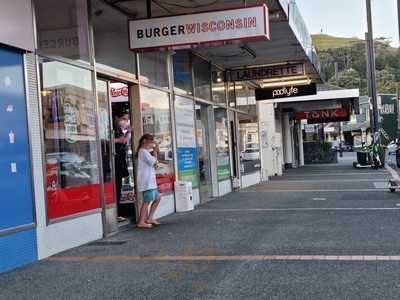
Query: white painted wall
{"x": 196, "y": 196}
{"x": 166, "y": 207}
{"x": 267, "y": 129}
{"x": 251, "y": 179}
{"x": 287, "y": 140}
{"x": 224, "y": 187}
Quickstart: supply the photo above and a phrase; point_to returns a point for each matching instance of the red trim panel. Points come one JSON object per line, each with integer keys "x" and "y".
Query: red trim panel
{"x": 109, "y": 192}
{"x": 70, "y": 201}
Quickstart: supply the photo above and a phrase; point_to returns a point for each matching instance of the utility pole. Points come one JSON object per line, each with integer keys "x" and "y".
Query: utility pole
{"x": 371, "y": 70}
{"x": 340, "y": 123}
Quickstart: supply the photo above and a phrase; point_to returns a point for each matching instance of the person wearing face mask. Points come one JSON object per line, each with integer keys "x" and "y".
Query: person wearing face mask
{"x": 121, "y": 137}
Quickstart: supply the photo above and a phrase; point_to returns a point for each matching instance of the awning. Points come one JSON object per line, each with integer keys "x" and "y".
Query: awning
{"x": 290, "y": 41}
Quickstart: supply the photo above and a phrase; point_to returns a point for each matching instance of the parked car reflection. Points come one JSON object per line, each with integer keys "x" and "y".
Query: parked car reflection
{"x": 72, "y": 169}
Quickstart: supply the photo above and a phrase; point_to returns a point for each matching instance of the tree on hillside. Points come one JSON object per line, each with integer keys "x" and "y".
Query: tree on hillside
{"x": 352, "y": 66}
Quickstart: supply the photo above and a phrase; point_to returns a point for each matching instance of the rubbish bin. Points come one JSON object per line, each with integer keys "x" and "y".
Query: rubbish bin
{"x": 362, "y": 158}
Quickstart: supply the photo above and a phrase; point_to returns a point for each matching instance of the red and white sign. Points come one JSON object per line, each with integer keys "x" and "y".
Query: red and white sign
{"x": 249, "y": 23}
{"x": 326, "y": 114}
{"x": 119, "y": 92}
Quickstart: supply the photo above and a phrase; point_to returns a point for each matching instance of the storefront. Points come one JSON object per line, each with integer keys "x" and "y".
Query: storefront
{"x": 88, "y": 81}
{"x": 86, "y": 87}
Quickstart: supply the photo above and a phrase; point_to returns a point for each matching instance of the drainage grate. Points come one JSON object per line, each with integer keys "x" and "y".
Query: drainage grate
{"x": 107, "y": 243}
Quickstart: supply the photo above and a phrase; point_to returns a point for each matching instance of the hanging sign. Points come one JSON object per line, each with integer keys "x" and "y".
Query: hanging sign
{"x": 268, "y": 72}
{"x": 249, "y": 23}
{"x": 323, "y": 116}
{"x": 285, "y": 92}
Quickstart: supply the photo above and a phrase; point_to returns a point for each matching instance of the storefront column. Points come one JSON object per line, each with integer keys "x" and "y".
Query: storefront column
{"x": 301, "y": 146}
{"x": 287, "y": 142}
{"x": 266, "y": 123}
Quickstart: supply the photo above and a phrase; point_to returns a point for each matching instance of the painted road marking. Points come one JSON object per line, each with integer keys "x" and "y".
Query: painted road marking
{"x": 330, "y": 180}
{"x": 381, "y": 185}
{"x": 335, "y": 174}
{"x": 240, "y": 258}
{"x": 294, "y": 209}
{"x": 309, "y": 191}
{"x": 319, "y": 199}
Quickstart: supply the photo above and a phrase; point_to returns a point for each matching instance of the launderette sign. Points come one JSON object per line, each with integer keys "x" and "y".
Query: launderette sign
{"x": 249, "y": 23}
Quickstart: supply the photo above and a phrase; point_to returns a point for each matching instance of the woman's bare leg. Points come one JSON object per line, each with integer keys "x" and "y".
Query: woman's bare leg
{"x": 154, "y": 205}
{"x": 143, "y": 216}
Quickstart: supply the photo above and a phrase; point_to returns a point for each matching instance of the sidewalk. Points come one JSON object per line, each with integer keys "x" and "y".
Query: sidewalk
{"x": 315, "y": 233}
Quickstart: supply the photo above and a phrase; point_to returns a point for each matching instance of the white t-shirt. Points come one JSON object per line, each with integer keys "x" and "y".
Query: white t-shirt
{"x": 146, "y": 173}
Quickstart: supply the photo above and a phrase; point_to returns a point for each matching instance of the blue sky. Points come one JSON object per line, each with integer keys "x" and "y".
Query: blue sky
{"x": 347, "y": 18}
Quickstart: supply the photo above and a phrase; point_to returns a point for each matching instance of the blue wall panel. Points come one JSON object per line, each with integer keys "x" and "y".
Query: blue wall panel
{"x": 16, "y": 205}
{"x": 16, "y": 198}
{"x": 17, "y": 250}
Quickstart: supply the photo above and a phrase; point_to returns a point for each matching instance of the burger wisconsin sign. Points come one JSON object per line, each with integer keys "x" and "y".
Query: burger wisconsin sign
{"x": 248, "y": 23}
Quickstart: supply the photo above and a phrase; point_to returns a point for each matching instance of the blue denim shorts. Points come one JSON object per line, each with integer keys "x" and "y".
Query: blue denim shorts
{"x": 150, "y": 195}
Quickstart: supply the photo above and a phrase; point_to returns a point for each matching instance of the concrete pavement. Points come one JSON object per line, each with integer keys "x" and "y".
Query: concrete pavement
{"x": 319, "y": 232}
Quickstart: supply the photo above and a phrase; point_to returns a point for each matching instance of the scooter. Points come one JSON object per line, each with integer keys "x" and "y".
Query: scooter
{"x": 368, "y": 157}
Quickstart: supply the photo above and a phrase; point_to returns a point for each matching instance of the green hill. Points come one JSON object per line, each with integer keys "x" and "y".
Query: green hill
{"x": 324, "y": 41}
{"x": 350, "y": 55}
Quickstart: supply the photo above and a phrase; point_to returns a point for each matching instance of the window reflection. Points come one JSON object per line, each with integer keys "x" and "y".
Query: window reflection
{"x": 68, "y": 108}
{"x": 249, "y": 147}
{"x": 153, "y": 68}
{"x": 63, "y": 28}
{"x": 202, "y": 78}
{"x": 157, "y": 121}
{"x": 222, "y": 143}
{"x": 111, "y": 41}
{"x": 183, "y": 72}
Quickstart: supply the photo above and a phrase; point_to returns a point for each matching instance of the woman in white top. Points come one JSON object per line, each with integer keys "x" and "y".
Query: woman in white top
{"x": 146, "y": 180}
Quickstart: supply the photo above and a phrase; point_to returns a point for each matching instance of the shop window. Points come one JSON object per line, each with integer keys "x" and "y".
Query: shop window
{"x": 248, "y": 142}
{"x": 183, "y": 72}
{"x": 156, "y": 114}
{"x": 222, "y": 143}
{"x": 153, "y": 68}
{"x": 202, "y": 78}
{"x": 111, "y": 42}
{"x": 63, "y": 28}
{"x": 69, "y": 121}
{"x": 218, "y": 86}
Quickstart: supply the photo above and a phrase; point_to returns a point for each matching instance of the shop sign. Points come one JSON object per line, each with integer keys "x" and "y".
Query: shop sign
{"x": 269, "y": 72}
{"x": 286, "y": 92}
{"x": 323, "y": 116}
{"x": 387, "y": 109}
{"x": 248, "y": 23}
{"x": 186, "y": 141}
{"x": 119, "y": 92}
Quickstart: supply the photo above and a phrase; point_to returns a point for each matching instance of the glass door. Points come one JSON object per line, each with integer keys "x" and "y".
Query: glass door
{"x": 106, "y": 142}
{"x": 116, "y": 154}
{"x": 203, "y": 151}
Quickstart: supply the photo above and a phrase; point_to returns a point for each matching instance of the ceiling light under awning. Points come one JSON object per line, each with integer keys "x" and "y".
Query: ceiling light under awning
{"x": 286, "y": 83}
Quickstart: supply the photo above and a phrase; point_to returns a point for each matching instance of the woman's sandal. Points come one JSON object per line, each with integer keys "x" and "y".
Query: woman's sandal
{"x": 144, "y": 226}
{"x": 153, "y": 223}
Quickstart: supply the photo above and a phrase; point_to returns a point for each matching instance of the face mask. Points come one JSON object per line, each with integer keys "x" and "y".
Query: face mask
{"x": 123, "y": 124}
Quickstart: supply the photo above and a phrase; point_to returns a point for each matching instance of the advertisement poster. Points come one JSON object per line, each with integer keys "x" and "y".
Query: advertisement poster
{"x": 186, "y": 141}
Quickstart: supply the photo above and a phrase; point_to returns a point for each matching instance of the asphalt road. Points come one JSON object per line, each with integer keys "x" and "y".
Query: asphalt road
{"x": 319, "y": 232}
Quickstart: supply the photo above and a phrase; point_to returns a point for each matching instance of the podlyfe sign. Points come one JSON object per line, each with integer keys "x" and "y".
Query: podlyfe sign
{"x": 267, "y": 72}
{"x": 323, "y": 116}
{"x": 285, "y": 92}
{"x": 249, "y": 23}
